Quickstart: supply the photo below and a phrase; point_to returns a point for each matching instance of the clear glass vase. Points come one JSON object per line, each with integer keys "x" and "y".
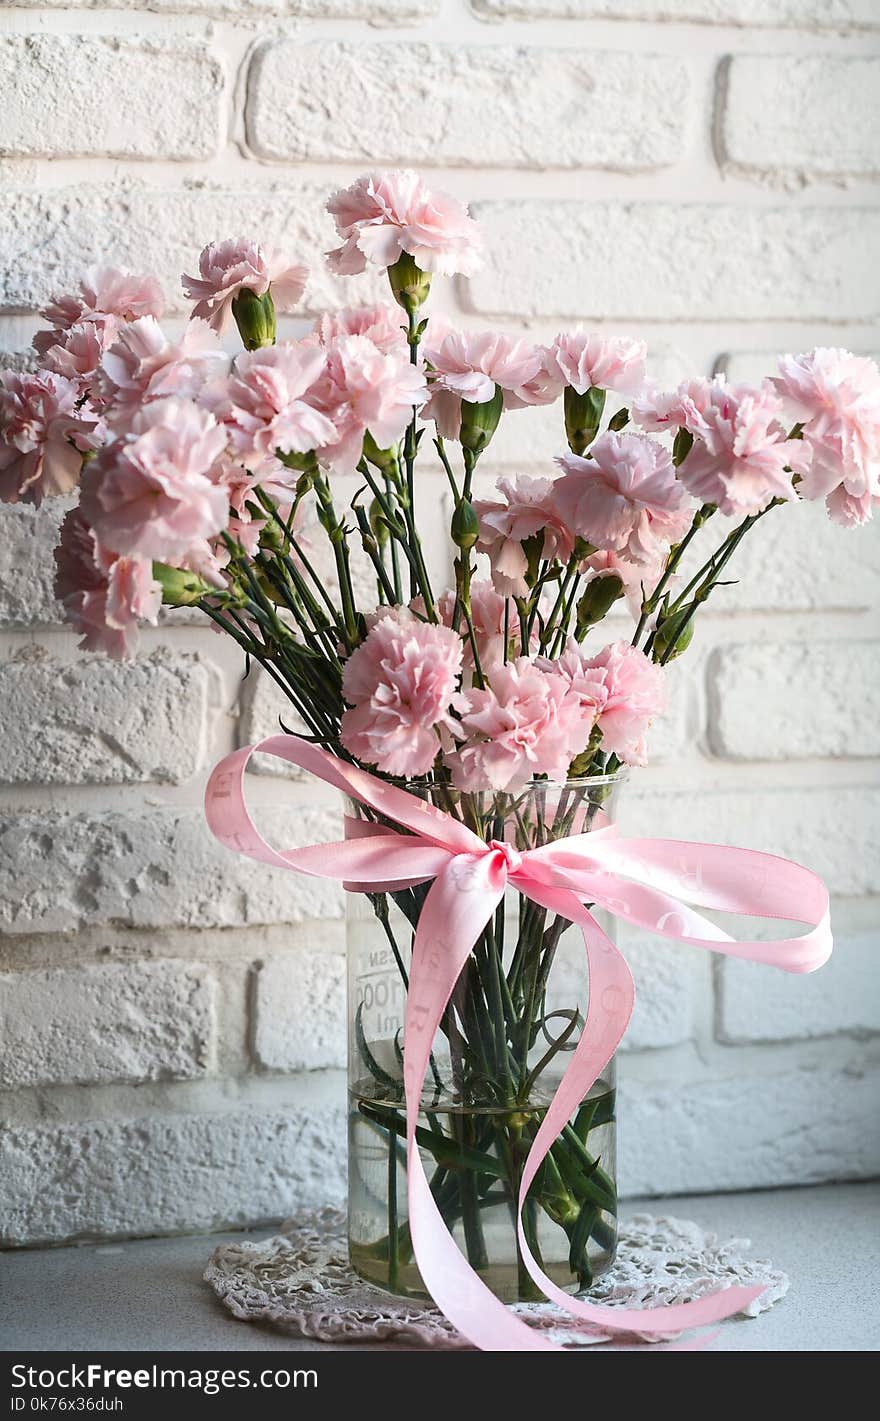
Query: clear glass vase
{"x": 515, "y": 1015}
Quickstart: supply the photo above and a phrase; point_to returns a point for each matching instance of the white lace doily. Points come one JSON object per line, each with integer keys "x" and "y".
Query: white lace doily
{"x": 301, "y": 1279}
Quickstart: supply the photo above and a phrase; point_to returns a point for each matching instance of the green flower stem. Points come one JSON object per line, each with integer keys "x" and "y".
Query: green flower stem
{"x": 676, "y": 553}
{"x": 571, "y": 574}
{"x": 395, "y": 554}
{"x": 339, "y": 542}
{"x": 701, "y": 586}
{"x": 444, "y": 459}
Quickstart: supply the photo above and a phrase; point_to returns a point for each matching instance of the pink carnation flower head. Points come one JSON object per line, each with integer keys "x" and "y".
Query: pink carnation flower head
{"x": 107, "y": 291}
{"x": 634, "y": 693}
{"x": 385, "y": 214}
{"x": 401, "y": 684}
{"x": 76, "y": 352}
{"x": 104, "y": 596}
{"x": 488, "y": 620}
{"x": 586, "y": 682}
{"x": 380, "y": 323}
{"x": 266, "y": 405}
{"x": 44, "y": 432}
{"x": 151, "y": 493}
{"x": 143, "y": 364}
{"x": 362, "y": 390}
{"x": 238, "y": 264}
{"x": 625, "y": 498}
{"x": 584, "y": 360}
{"x": 527, "y": 508}
{"x": 527, "y": 723}
{"x": 741, "y": 459}
{"x": 469, "y": 365}
{"x": 656, "y": 411}
{"x": 836, "y": 397}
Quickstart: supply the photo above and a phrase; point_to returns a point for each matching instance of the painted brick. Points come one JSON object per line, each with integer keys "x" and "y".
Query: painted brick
{"x": 60, "y": 872}
{"x": 665, "y": 261}
{"x": 794, "y": 560}
{"x": 62, "y": 97}
{"x": 27, "y": 537}
{"x": 178, "y": 1174}
{"x": 808, "y": 115}
{"x": 264, "y": 707}
{"x": 111, "y": 1022}
{"x": 96, "y": 721}
{"x": 753, "y": 688}
{"x": 426, "y": 104}
{"x": 162, "y": 231}
{"x": 377, "y": 12}
{"x": 827, "y": 831}
{"x": 799, "y": 14}
{"x": 300, "y": 1011}
{"x": 756, "y": 1005}
{"x": 748, "y": 1132}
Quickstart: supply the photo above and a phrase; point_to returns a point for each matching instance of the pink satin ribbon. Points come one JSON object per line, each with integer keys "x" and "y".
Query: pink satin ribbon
{"x": 642, "y": 881}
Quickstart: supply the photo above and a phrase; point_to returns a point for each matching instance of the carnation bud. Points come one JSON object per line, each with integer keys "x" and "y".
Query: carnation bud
{"x": 378, "y": 524}
{"x": 411, "y": 286}
{"x": 598, "y": 599}
{"x": 465, "y": 525}
{"x": 619, "y": 421}
{"x": 480, "y": 421}
{"x": 681, "y": 446}
{"x": 383, "y": 459}
{"x": 674, "y": 634}
{"x": 179, "y": 587}
{"x": 583, "y": 415}
{"x": 255, "y": 318}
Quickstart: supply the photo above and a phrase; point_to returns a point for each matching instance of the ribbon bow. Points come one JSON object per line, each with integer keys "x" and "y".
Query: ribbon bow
{"x": 642, "y": 881}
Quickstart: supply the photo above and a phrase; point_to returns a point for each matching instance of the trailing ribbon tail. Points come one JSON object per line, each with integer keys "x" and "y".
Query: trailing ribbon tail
{"x": 643, "y": 881}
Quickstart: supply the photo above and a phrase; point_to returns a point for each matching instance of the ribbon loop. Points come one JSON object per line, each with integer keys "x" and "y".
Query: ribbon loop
{"x": 649, "y": 882}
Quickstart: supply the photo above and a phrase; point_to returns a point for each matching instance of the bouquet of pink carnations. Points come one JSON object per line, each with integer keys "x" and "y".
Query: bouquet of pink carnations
{"x": 214, "y": 481}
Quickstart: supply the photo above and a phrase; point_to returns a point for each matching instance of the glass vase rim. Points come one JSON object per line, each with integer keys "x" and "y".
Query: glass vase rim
{"x": 617, "y": 777}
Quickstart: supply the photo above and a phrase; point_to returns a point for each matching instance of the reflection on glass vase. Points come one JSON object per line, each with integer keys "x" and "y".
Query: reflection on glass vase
{"x": 514, "y": 1017}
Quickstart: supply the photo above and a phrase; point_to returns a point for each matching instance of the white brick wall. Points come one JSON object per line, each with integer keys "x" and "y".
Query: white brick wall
{"x": 702, "y": 172}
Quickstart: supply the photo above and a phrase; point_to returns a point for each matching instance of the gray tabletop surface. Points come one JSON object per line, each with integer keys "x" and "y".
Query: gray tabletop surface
{"x": 148, "y": 1294}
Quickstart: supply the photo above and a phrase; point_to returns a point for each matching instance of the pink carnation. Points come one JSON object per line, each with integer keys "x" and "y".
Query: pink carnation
{"x": 143, "y": 364}
{"x": 266, "y": 404}
{"x": 385, "y": 214}
{"x": 638, "y": 579}
{"x": 836, "y": 397}
{"x": 634, "y": 693}
{"x": 361, "y": 390}
{"x": 381, "y": 324}
{"x": 487, "y": 617}
{"x": 468, "y": 365}
{"x": 225, "y": 268}
{"x": 103, "y": 595}
{"x": 107, "y": 291}
{"x": 625, "y": 498}
{"x": 655, "y": 410}
{"x": 740, "y": 458}
{"x": 585, "y": 681}
{"x": 583, "y": 360}
{"x": 43, "y": 435}
{"x": 151, "y": 493}
{"x": 528, "y": 508}
{"x": 76, "y": 352}
{"x": 401, "y": 683}
{"x": 526, "y": 724}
